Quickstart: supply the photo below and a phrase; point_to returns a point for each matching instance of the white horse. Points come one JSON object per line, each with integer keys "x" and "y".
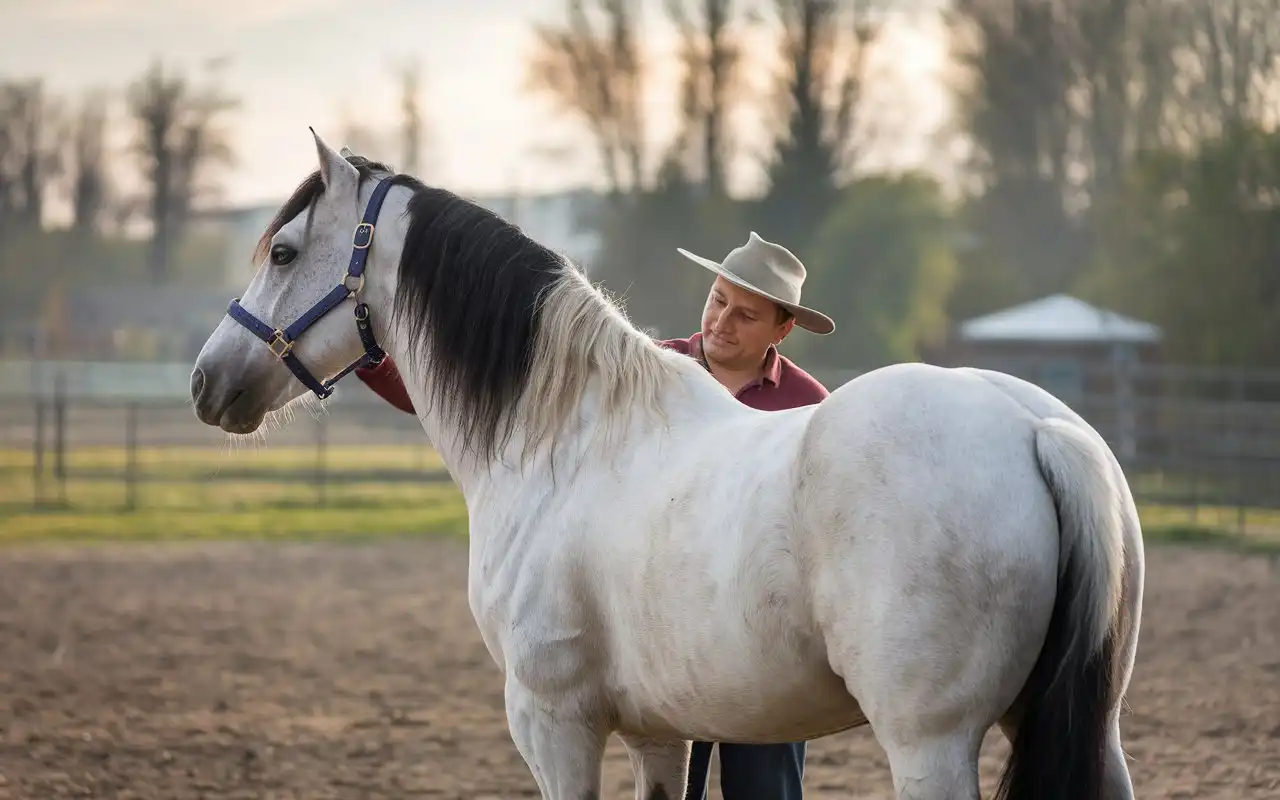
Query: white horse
{"x": 929, "y": 551}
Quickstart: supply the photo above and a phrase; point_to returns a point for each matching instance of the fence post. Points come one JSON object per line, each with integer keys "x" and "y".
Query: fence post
{"x": 60, "y": 436}
{"x": 131, "y": 456}
{"x": 37, "y": 468}
{"x": 1238, "y": 450}
{"x": 322, "y": 430}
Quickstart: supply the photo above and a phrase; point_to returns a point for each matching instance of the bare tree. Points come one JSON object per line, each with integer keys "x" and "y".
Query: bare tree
{"x": 593, "y": 69}
{"x": 1063, "y": 96}
{"x": 30, "y": 151}
{"x": 1022, "y": 113}
{"x": 1161, "y": 74}
{"x": 402, "y": 146}
{"x": 711, "y": 56}
{"x": 364, "y": 139}
{"x": 1229, "y": 56}
{"x": 412, "y": 126}
{"x": 180, "y": 145}
{"x": 821, "y": 126}
{"x": 1017, "y": 108}
{"x": 824, "y": 46}
{"x": 87, "y": 166}
{"x": 1072, "y": 90}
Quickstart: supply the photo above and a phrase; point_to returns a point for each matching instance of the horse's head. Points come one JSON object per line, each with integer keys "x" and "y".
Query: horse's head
{"x": 303, "y": 316}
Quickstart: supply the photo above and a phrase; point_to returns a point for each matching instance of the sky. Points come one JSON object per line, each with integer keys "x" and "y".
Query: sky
{"x": 300, "y": 63}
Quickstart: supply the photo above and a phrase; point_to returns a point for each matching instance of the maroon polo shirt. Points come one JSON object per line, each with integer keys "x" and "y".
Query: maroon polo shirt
{"x": 782, "y": 385}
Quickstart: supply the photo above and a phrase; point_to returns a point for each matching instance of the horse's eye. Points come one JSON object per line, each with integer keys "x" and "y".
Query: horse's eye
{"x": 282, "y": 254}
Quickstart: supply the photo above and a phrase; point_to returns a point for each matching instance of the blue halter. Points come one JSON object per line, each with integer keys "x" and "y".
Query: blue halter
{"x": 281, "y": 341}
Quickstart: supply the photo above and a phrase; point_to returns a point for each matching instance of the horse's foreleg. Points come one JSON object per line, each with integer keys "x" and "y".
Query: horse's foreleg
{"x": 562, "y": 745}
{"x": 661, "y": 768}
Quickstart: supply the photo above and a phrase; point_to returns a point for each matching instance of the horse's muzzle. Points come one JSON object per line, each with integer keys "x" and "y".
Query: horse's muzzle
{"x": 231, "y": 405}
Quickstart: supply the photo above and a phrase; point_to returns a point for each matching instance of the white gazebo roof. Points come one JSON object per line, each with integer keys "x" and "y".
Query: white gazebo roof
{"x": 1058, "y": 318}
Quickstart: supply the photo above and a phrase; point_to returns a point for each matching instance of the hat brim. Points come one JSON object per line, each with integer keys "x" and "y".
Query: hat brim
{"x": 807, "y": 318}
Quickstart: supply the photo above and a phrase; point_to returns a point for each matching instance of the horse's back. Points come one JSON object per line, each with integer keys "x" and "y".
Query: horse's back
{"x": 921, "y": 418}
{"x": 947, "y": 456}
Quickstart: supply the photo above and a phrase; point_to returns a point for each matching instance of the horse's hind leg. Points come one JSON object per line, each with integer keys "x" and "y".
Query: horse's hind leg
{"x": 941, "y": 767}
{"x": 1118, "y": 784}
{"x": 929, "y": 704}
{"x": 661, "y": 768}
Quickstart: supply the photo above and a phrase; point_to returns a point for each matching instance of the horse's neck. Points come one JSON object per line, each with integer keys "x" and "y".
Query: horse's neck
{"x": 587, "y": 442}
{"x": 462, "y": 467}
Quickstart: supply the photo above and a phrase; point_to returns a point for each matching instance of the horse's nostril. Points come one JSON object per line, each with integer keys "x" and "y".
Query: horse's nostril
{"x": 197, "y": 383}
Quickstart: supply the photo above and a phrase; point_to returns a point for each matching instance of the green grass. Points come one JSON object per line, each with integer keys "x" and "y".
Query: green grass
{"x": 1214, "y": 538}
{"x": 1213, "y": 526}
{"x": 193, "y": 493}
{"x": 447, "y": 517}
{"x": 203, "y": 493}
{"x": 206, "y": 462}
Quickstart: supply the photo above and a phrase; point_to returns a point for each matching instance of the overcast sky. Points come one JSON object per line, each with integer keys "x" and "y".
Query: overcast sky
{"x": 295, "y": 63}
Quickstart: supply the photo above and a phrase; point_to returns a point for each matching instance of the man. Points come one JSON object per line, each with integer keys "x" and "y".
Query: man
{"x": 753, "y": 304}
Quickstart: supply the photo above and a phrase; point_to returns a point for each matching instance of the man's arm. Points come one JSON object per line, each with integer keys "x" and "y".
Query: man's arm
{"x": 385, "y": 381}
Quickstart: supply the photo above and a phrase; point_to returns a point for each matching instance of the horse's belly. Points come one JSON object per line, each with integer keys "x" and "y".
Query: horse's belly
{"x": 713, "y": 637}
{"x": 733, "y": 699}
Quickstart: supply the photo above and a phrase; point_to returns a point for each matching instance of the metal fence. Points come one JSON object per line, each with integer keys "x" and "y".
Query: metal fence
{"x": 112, "y": 453}
{"x": 1189, "y": 439}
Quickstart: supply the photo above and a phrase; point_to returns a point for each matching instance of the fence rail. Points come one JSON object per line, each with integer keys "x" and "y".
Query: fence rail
{"x": 64, "y": 449}
{"x": 1186, "y": 440}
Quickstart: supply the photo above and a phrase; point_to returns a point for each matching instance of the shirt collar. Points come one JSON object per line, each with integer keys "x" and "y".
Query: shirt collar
{"x": 771, "y": 374}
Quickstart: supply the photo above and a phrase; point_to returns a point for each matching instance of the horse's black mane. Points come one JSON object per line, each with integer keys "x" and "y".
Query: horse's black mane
{"x": 468, "y": 294}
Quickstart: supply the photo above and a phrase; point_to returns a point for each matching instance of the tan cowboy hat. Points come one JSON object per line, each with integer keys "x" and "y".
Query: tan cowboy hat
{"x": 770, "y": 270}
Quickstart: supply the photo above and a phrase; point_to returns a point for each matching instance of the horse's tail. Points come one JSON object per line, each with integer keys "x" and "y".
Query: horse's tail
{"x": 1061, "y": 722}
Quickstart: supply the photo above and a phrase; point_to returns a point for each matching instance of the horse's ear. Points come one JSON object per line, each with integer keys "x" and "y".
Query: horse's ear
{"x": 334, "y": 169}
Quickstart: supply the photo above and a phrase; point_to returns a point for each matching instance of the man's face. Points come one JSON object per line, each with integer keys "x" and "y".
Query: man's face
{"x": 738, "y": 326}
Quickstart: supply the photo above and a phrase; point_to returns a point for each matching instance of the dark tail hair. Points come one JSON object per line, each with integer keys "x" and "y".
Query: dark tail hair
{"x": 1060, "y": 743}
{"x": 1060, "y": 748}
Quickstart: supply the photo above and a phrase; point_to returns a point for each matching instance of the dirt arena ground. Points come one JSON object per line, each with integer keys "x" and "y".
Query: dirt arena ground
{"x": 355, "y": 671}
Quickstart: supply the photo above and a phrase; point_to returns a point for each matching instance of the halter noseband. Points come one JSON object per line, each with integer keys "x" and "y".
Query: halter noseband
{"x": 281, "y": 342}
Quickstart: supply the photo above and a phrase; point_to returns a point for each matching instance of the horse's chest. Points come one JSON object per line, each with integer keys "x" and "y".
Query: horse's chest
{"x": 536, "y": 627}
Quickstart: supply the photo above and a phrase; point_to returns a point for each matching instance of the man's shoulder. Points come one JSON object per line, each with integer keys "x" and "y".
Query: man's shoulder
{"x": 800, "y": 383}
{"x": 684, "y": 345}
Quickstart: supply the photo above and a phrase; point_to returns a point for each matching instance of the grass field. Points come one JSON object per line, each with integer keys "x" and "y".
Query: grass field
{"x": 204, "y": 493}
{"x": 295, "y": 493}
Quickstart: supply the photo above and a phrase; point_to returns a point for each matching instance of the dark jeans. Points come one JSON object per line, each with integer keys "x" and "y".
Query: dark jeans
{"x": 749, "y": 771}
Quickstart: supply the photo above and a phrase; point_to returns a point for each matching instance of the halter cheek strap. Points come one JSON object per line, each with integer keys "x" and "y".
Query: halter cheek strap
{"x": 281, "y": 342}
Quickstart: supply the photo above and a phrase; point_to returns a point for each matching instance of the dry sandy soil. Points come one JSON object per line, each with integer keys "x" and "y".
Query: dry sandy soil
{"x": 355, "y": 671}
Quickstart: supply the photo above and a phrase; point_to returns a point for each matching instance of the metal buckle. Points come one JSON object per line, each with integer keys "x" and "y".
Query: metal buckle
{"x": 359, "y": 286}
{"x": 278, "y": 337}
{"x": 355, "y": 237}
